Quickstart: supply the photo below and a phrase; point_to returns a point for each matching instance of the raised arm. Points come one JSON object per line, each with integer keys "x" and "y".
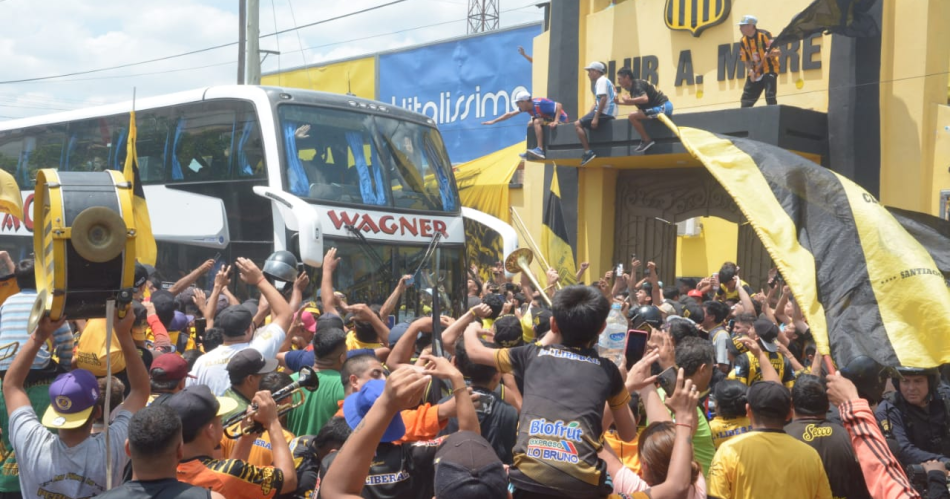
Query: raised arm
{"x": 13, "y": 392}
{"x": 347, "y": 475}
{"x": 582, "y": 269}
{"x": 221, "y": 282}
{"x": 134, "y": 367}
{"x": 509, "y": 114}
{"x": 191, "y": 278}
{"x": 478, "y": 353}
{"x": 443, "y": 369}
{"x": 765, "y": 364}
{"x": 362, "y": 312}
{"x": 281, "y": 314}
{"x": 7, "y": 266}
{"x": 780, "y": 306}
{"x": 390, "y": 305}
{"x": 452, "y": 332}
{"x": 330, "y": 261}
{"x": 767, "y": 305}
{"x": 656, "y": 294}
{"x": 300, "y": 285}
{"x": 744, "y": 297}
{"x": 405, "y": 347}
{"x": 283, "y": 459}
{"x": 683, "y": 403}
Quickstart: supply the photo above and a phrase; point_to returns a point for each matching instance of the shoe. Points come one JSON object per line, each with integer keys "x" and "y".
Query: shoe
{"x": 537, "y": 152}
{"x": 589, "y": 155}
{"x": 644, "y": 146}
{"x": 523, "y": 155}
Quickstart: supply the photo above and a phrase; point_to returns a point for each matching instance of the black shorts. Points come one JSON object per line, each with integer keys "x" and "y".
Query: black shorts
{"x": 589, "y": 117}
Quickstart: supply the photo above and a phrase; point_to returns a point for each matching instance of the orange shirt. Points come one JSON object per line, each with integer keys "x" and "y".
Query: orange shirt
{"x": 422, "y": 423}
{"x": 232, "y": 478}
{"x": 8, "y": 287}
{"x": 261, "y": 454}
{"x": 626, "y": 451}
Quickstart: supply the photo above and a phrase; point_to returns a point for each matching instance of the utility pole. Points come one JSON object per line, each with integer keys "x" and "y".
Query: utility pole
{"x": 253, "y": 42}
{"x": 482, "y": 15}
{"x": 242, "y": 40}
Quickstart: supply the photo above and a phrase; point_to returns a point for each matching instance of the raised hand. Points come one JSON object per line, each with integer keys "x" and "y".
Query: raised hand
{"x": 404, "y": 388}
{"x": 223, "y": 278}
{"x": 248, "y": 271}
{"x": 330, "y": 260}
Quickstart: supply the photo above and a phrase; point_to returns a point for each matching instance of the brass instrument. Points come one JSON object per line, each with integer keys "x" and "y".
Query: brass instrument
{"x": 12, "y": 346}
{"x": 520, "y": 261}
{"x": 234, "y": 426}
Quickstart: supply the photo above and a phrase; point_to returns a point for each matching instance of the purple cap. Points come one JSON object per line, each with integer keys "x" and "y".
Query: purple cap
{"x": 72, "y": 397}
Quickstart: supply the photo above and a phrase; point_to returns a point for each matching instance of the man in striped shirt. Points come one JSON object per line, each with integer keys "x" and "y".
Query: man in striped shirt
{"x": 14, "y": 315}
{"x": 761, "y": 62}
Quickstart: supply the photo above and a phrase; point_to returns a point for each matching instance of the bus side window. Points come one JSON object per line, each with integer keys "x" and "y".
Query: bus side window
{"x": 89, "y": 146}
{"x": 152, "y": 137}
{"x": 248, "y": 146}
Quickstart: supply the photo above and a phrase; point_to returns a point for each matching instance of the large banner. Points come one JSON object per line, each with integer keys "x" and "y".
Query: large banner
{"x": 356, "y": 76}
{"x": 460, "y": 84}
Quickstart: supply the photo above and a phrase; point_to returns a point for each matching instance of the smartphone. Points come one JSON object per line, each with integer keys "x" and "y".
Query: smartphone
{"x": 619, "y": 270}
{"x": 411, "y": 280}
{"x": 667, "y": 380}
{"x": 217, "y": 256}
{"x": 636, "y": 346}
{"x": 731, "y": 325}
{"x": 391, "y": 321}
{"x": 200, "y": 325}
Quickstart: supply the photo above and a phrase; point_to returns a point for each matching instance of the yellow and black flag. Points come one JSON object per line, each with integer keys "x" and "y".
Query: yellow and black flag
{"x": 866, "y": 286}
{"x": 554, "y": 239}
{"x": 852, "y": 18}
{"x": 145, "y": 249}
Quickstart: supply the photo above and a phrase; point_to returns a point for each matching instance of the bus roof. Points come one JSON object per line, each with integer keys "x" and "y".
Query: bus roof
{"x": 274, "y": 95}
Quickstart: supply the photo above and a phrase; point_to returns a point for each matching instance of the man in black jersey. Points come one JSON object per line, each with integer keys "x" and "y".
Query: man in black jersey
{"x": 155, "y": 446}
{"x": 649, "y": 100}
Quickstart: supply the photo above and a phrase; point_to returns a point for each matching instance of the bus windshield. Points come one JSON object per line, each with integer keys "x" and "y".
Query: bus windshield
{"x": 368, "y": 274}
{"x": 352, "y": 157}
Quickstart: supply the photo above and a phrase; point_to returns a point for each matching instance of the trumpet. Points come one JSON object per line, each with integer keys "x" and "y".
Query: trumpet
{"x": 234, "y": 426}
{"x": 520, "y": 261}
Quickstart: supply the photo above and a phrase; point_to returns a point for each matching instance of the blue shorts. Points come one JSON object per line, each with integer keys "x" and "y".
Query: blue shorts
{"x": 665, "y": 108}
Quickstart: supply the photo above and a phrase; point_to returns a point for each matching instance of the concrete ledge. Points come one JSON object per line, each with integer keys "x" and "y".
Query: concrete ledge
{"x": 792, "y": 128}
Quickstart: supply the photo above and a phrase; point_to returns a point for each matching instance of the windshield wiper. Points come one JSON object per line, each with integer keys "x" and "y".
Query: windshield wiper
{"x": 368, "y": 250}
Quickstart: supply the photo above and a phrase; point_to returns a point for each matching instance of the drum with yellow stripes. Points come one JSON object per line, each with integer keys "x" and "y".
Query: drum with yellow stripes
{"x": 84, "y": 242}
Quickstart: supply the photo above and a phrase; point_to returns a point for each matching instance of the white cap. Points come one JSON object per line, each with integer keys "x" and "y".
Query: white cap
{"x": 599, "y": 66}
{"x": 522, "y": 96}
{"x": 747, "y": 19}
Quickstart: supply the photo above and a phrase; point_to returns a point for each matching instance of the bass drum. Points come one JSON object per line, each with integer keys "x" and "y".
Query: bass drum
{"x": 84, "y": 242}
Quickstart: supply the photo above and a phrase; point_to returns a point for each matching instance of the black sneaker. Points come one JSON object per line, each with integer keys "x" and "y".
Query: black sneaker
{"x": 643, "y": 147}
{"x": 589, "y": 155}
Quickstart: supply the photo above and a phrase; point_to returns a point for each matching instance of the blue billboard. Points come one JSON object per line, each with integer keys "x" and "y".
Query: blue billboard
{"x": 460, "y": 84}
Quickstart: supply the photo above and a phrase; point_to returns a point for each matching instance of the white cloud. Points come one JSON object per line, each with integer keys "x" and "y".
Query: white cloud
{"x": 64, "y": 36}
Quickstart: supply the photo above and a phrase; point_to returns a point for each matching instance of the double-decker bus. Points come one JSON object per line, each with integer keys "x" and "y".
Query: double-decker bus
{"x": 246, "y": 170}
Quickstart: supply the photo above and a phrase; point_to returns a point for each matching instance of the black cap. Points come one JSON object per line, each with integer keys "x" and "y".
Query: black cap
{"x": 542, "y": 322}
{"x": 769, "y": 399}
{"x": 327, "y": 321}
{"x": 767, "y": 332}
{"x": 247, "y": 362}
{"x": 197, "y": 406}
{"x": 164, "y": 306}
{"x": 234, "y": 320}
{"x": 466, "y": 467}
{"x": 508, "y": 331}
{"x": 141, "y": 275}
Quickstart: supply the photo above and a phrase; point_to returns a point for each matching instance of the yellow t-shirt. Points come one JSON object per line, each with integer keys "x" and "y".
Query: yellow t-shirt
{"x": 626, "y": 451}
{"x": 261, "y": 454}
{"x": 767, "y": 464}
{"x": 91, "y": 349}
{"x": 725, "y": 429}
{"x": 353, "y": 343}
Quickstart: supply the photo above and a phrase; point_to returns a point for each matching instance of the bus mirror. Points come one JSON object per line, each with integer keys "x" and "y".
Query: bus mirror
{"x": 300, "y": 217}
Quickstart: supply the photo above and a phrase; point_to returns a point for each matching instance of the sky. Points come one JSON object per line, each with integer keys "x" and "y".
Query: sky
{"x": 58, "y": 37}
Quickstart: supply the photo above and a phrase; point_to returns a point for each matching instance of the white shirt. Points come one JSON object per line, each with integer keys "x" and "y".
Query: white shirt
{"x": 48, "y": 468}
{"x": 603, "y": 86}
{"x": 212, "y": 368}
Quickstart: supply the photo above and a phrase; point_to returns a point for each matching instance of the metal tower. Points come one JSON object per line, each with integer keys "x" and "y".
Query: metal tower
{"x": 482, "y": 15}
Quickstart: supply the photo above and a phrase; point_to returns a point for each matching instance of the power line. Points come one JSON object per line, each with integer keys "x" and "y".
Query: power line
{"x": 192, "y": 52}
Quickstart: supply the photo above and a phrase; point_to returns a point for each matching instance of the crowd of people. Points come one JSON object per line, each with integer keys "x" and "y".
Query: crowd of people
{"x": 755, "y": 50}
{"x": 511, "y": 398}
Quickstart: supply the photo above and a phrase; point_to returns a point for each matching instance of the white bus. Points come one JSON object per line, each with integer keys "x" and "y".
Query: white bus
{"x": 244, "y": 170}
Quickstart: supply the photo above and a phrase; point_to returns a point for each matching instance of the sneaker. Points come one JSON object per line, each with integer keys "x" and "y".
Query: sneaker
{"x": 644, "y": 146}
{"x": 537, "y": 152}
{"x": 523, "y": 155}
{"x": 589, "y": 155}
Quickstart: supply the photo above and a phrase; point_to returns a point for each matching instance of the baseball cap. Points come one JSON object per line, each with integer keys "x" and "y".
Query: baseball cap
{"x": 72, "y": 397}
{"x": 329, "y": 321}
{"x": 165, "y": 305}
{"x": 358, "y": 404}
{"x": 597, "y": 65}
{"x": 309, "y": 323}
{"x": 508, "y": 331}
{"x": 180, "y": 321}
{"x": 234, "y": 320}
{"x": 169, "y": 367}
{"x": 767, "y": 332}
{"x": 522, "y": 96}
{"x": 695, "y": 293}
{"x": 770, "y": 399}
{"x": 197, "y": 406}
{"x": 466, "y": 467}
{"x": 141, "y": 275}
{"x": 249, "y": 361}
{"x": 747, "y": 19}
{"x": 667, "y": 309}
